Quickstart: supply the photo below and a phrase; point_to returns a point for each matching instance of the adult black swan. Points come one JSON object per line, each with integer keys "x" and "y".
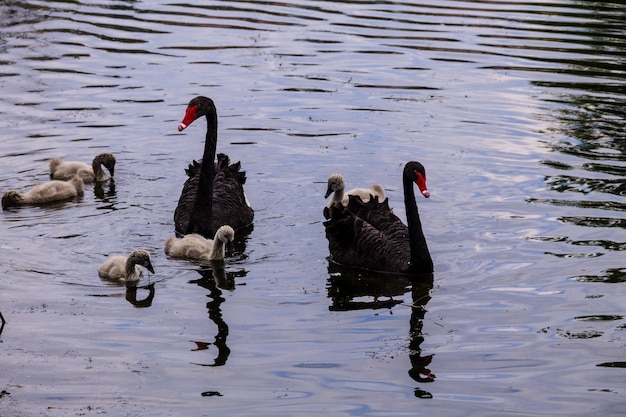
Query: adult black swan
{"x": 368, "y": 235}
{"x": 213, "y": 194}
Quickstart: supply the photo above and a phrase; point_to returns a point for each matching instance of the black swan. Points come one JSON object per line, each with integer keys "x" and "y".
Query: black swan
{"x": 336, "y": 185}
{"x": 368, "y": 235}
{"x": 122, "y": 268}
{"x": 197, "y": 247}
{"x": 63, "y": 170}
{"x": 213, "y": 194}
{"x": 48, "y": 192}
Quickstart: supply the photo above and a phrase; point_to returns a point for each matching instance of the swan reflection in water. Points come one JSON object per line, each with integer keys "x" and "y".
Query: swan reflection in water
{"x": 131, "y": 293}
{"x": 386, "y": 291}
{"x": 3, "y": 323}
{"x": 420, "y": 294}
{"x": 215, "y": 279}
{"x": 105, "y": 191}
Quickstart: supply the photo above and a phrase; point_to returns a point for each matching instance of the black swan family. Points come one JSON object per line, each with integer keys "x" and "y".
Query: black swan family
{"x": 368, "y": 235}
{"x": 361, "y": 229}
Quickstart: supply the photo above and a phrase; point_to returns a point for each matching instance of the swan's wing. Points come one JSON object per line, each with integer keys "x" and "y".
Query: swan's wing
{"x": 187, "y": 204}
{"x": 187, "y": 198}
{"x": 193, "y": 169}
{"x": 230, "y": 205}
{"x": 51, "y": 191}
{"x": 191, "y": 246}
{"x": 368, "y": 235}
{"x": 114, "y": 267}
{"x": 375, "y": 190}
{"x": 66, "y": 169}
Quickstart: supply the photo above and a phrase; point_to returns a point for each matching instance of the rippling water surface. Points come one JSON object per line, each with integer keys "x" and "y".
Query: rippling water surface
{"x": 515, "y": 109}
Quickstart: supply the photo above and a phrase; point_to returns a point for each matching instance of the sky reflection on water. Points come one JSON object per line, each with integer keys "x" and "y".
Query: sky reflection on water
{"x": 514, "y": 108}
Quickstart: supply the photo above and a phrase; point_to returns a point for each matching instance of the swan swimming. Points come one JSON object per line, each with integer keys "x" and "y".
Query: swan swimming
{"x": 213, "y": 194}
{"x": 197, "y": 247}
{"x": 122, "y": 268}
{"x": 48, "y": 192}
{"x": 63, "y": 170}
{"x": 368, "y": 235}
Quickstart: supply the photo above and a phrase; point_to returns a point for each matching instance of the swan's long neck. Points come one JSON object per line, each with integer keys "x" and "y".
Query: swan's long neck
{"x": 217, "y": 251}
{"x": 97, "y": 170}
{"x": 203, "y": 206}
{"x": 131, "y": 270}
{"x": 421, "y": 261}
{"x": 338, "y": 195}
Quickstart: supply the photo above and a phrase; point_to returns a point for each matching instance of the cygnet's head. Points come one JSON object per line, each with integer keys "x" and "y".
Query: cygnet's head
{"x": 54, "y": 163}
{"x": 141, "y": 257}
{"x": 335, "y": 182}
{"x": 106, "y": 159}
{"x": 11, "y": 198}
{"x": 226, "y": 234}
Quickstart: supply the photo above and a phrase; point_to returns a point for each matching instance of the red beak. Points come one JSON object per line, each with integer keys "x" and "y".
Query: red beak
{"x": 190, "y": 116}
{"x": 421, "y": 184}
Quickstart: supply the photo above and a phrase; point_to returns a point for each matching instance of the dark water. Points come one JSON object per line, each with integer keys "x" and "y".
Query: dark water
{"x": 515, "y": 109}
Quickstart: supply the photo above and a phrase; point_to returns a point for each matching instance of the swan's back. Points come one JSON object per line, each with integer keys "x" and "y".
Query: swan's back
{"x": 336, "y": 185}
{"x": 115, "y": 267}
{"x": 56, "y": 190}
{"x": 230, "y": 205}
{"x": 48, "y": 192}
{"x": 375, "y": 190}
{"x": 64, "y": 170}
{"x": 368, "y": 235}
{"x": 192, "y": 246}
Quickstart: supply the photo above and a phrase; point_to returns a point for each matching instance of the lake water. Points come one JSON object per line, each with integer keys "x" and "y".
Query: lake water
{"x": 515, "y": 109}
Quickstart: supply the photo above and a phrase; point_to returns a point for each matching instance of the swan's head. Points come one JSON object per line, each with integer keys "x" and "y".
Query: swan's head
{"x": 106, "y": 159}
{"x": 335, "y": 182}
{"x": 416, "y": 172}
{"x": 226, "y": 234}
{"x": 197, "y": 107}
{"x": 11, "y": 198}
{"x": 54, "y": 164}
{"x": 141, "y": 257}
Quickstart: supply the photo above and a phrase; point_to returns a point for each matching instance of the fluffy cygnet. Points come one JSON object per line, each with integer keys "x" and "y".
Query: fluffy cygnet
{"x": 47, "y": 192}
{"x": 196, "y": 247}
{"x": 63, "y": 170}
{"x": 122, "y": 268}
{"x": 336, "y": 184}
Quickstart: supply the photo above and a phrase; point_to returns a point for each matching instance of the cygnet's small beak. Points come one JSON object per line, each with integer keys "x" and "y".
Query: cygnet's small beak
{"x": 149, "y": 267}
